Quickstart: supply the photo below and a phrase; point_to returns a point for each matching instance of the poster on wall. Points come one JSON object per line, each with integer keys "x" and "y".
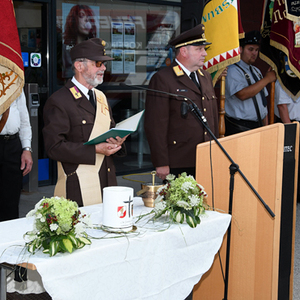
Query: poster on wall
{"x": 117, "y": 63}
{"x": 129, "y": 35}
{"x": 79, "y": 23}
{"x": 117, "y": 34}
{"x": 129, "y": 61}
{"x": 160, "y": 30}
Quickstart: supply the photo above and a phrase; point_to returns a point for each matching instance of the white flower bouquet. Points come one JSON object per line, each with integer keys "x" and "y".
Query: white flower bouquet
{"x": 182, "y": 198}
{"x": 59, "y": 226}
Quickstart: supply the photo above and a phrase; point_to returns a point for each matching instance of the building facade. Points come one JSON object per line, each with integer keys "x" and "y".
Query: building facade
{"x": 136, "y": 34}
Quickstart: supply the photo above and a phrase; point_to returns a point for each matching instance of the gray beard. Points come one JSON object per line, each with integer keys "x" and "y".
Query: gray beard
{"x": 92, "y": 81}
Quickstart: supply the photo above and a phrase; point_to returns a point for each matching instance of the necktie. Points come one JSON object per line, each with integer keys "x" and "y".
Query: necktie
{"x": 262, "y": 94}
{"x": 92, "y": 99}
{"x": 193, "y": 77}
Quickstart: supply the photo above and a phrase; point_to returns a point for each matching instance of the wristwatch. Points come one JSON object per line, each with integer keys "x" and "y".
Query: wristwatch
{"x": 27, "y": 149}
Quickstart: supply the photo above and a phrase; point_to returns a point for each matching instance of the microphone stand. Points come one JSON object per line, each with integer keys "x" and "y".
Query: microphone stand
{"x": 233, "y": 169}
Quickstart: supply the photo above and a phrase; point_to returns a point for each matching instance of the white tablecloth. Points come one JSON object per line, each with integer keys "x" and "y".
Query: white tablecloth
{"x": 149, "y": 264}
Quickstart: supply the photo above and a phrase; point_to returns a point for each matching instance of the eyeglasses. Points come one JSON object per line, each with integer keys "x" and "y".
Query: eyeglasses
{"x": 100, "y": 63}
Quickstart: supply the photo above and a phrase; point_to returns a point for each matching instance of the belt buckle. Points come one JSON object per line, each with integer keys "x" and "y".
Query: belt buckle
{"x": 6, "y": 137}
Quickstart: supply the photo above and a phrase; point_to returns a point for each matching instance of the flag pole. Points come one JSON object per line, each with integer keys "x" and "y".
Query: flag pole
{"x": 272, "y": 100}
{"x": 222, "y": 108}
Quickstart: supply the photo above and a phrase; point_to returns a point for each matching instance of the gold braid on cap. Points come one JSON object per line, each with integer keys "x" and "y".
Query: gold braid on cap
{"x": 203, "y": 39}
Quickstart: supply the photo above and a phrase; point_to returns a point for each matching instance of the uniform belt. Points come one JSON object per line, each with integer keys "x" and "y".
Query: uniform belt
{"x": 247, "y": 123}
{"x": 8, "y": 136}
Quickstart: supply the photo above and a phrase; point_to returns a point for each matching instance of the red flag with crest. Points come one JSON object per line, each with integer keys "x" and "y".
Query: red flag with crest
{"x": 11, "y": 63}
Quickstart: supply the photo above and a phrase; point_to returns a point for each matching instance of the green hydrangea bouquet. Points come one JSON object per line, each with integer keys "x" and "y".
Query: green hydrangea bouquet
{"x": 59, "y": 226}
{"x": 182, "y": 198}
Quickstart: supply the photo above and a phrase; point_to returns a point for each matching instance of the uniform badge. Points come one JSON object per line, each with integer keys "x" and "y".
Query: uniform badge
{"x": 75, "y": 92}
{"x": 178, "y": 71}
{"x": 199, "y": 71}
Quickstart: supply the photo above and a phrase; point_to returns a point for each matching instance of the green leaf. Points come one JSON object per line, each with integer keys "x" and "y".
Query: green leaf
{"x": 84, "y": 240}
{"x": 67, "y": 245}
{"x": 80, "y": 245}
{"x": 53, "y": 247}
{"x": 191, "y": 221}
{"x": 178, "y": 217}
{"x": 73, "y": 239}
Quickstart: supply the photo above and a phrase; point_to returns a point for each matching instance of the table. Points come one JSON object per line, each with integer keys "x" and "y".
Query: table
{"x": 148, "y": 264}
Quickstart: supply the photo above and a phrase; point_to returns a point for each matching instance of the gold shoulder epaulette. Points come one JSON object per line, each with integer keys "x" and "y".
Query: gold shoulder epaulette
{"x": 75, "y": 92}
{"x": 178, "y": 71}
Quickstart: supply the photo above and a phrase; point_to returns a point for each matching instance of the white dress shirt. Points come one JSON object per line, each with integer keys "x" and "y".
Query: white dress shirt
{"x": 81, "y": 87}
{"x": 281, "y": 97}
{"x": 186, "y": 71}
{"x": 18, "y": 121}
{"x": 235, "y": 82}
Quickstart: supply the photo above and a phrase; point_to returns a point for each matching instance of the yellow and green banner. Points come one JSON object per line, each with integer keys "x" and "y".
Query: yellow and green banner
{"x": 223, "y": 29}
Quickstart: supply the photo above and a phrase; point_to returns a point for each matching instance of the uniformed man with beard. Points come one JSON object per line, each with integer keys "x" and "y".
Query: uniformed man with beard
{"x": 75, "y": 114}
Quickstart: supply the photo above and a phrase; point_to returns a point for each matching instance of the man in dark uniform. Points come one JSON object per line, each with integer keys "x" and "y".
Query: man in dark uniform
{"x": 75, "y": 114}
{"x": 173, "y": 137}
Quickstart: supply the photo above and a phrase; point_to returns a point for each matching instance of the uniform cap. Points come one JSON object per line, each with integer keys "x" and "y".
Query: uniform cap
{"x": 251, "y": 38}
{"x": 93, "y": 49}
{"x": 193, "y": 37}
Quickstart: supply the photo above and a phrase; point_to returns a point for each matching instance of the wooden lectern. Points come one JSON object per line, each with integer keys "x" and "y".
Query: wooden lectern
{"x": 261, "y": 247}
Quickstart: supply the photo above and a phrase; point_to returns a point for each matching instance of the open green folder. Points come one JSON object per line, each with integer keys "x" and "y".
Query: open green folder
{"x": 123, "y": 128}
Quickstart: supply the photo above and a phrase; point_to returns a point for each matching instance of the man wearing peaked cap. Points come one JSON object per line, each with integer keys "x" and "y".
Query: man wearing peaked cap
{"x": 93, "y": 49}
{"x": 193, "y": 37}
{"x": 173, "y": 136}
{"x": 76, "y": 114}
{"x": 245, "y": 89}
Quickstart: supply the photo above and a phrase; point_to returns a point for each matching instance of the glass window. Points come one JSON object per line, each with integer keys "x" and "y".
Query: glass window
{"x": 136, "y": 35}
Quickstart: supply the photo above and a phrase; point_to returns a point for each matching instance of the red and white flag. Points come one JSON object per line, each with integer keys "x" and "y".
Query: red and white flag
{"x": 11, "y": 63}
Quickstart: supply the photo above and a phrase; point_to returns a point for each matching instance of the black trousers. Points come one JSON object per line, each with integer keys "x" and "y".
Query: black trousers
{"x": 11, "y": 178}
{"x": 233, "y": 126}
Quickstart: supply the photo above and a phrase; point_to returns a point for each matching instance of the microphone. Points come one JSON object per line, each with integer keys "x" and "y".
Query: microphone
{"x": 184, "y": 106}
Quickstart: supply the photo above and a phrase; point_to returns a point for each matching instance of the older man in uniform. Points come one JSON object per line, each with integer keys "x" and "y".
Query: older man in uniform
{"x": 245, "y": 89}
{"x": 75, "y": 114}
{"x": 173, "y": 136}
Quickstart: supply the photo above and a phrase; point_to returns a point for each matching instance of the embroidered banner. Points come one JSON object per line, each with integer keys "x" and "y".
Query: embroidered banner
{"x": 280, "y": 46}
{"x": 292, "y": 9}
{"x": 11, "y": 63}
{"x": 223, "y": 29}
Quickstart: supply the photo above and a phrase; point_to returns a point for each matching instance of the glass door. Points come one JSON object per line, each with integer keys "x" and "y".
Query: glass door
{"x": 32, "y": 22}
